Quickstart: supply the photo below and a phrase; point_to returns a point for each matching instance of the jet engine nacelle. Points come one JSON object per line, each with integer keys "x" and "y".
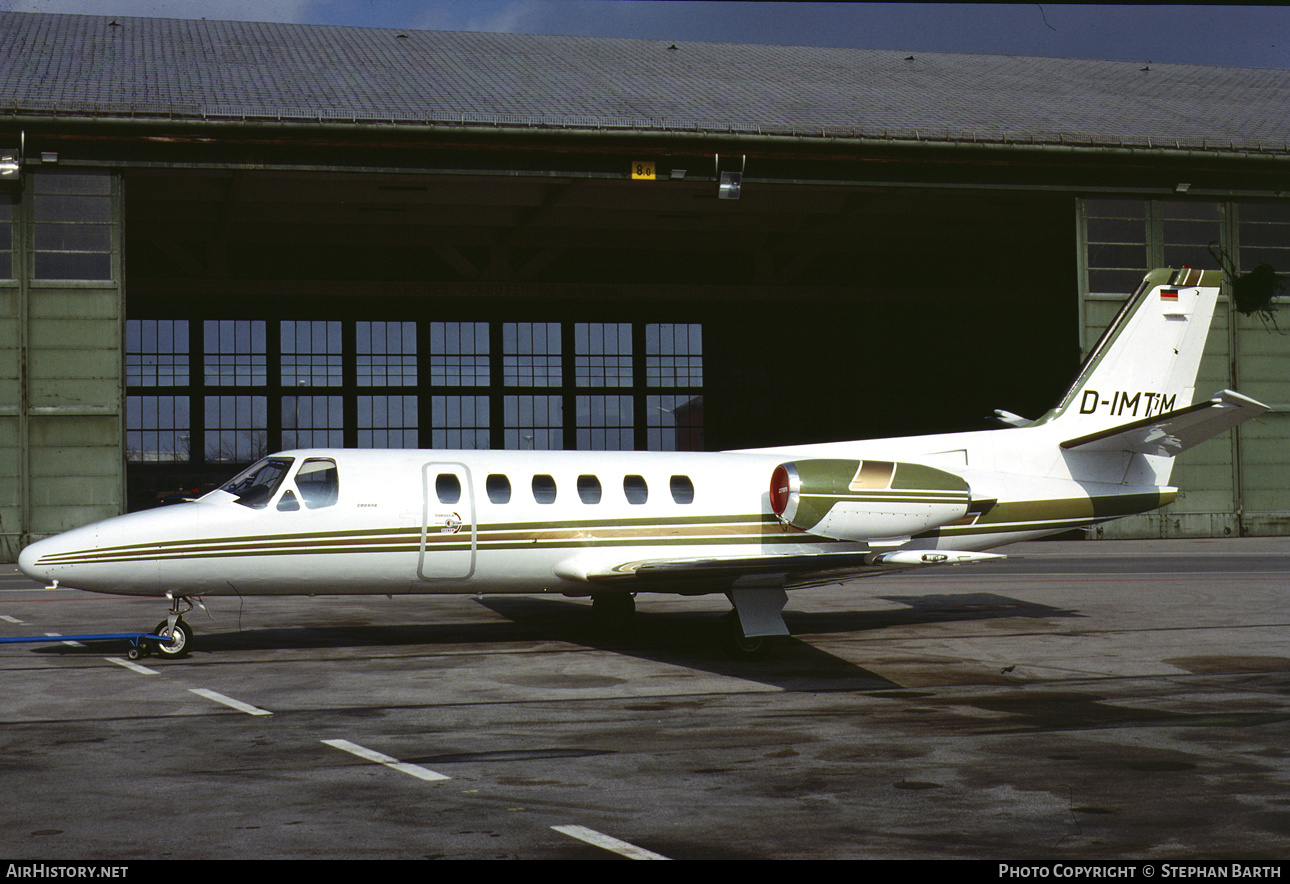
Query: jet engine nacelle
{"x": 866, "y": 500}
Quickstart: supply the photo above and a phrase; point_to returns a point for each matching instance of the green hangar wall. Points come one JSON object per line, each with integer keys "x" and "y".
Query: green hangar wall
{"x": 61, "y": 385}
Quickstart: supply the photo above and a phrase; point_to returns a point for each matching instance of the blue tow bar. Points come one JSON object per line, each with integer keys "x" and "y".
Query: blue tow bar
{"x": 136, "y": 640}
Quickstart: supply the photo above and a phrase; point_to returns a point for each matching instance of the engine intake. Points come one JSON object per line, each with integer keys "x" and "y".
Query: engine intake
{"x": 866, "y": 500}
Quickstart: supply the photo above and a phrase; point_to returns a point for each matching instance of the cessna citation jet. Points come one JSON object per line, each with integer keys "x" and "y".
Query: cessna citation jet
{"x": 750, "y": 524}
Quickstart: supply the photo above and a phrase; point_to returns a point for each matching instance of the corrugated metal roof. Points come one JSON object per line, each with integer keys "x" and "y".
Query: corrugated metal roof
{"x": 95, "y": 65}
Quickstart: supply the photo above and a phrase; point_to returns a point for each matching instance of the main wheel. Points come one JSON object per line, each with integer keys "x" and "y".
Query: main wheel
{"x": 181, "y": 639}
{"x": 742, "y": 647}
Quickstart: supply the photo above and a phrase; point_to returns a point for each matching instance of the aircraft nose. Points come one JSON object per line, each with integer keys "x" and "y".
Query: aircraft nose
{"x": 28, "y": 558}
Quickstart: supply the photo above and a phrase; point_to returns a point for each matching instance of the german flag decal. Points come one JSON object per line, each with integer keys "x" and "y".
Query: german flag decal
{"x": 1169, "y": 294}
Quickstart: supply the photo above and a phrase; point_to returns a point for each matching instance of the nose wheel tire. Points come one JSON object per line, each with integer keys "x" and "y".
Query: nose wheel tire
{"x": 181, "y": 639}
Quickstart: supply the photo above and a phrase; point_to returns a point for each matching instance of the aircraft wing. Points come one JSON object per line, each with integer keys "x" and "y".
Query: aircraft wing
{"x": 668, "y": 575}
{"x": 1174, "y": 431}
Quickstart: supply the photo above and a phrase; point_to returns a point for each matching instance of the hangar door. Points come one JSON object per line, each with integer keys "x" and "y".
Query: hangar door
{"x": 272, "y": 309}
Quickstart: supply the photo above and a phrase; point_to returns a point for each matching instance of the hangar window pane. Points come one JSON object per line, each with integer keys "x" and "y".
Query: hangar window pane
{"x": 1265, "y": 235}
{"x": 534, "y": 423}
{"x": 72, "y": 231}
{"x": 1189, "y": 228}
{"x": 1117, "y": 245}
{"x": 605, "y": 423}
{"x": 459, "y": 422}
{"x": 312, "y": 422}
{"x": 674, "y": 354}
{"x": 387, "y": 421}
{"x": 236, "y": 428}
{"x": 459, "y": 354}
{"x": 311, "y": 354}
{"x": 156, "y": 352}
{"x": 531, "y": 354}
{"x": 156, "y": 429}
{"x": 603, "y": 354}
{"x": 674, "y": 423}
{"x": 387, "y": 354}
{"x": 236, "y": 353}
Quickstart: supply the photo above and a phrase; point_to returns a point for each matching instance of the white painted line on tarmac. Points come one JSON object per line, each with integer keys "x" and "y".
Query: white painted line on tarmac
{"x": 591, "y": 836}
{"x": 73, "y": 644}
{"x": 229, "y": 701}
{"x": 413, "y": 770}
{"x": 130, "y": 664}
{"x": 6, "y": 617}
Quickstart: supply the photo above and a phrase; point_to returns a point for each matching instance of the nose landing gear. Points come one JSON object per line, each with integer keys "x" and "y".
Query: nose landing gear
{"x": 174, "y": 628}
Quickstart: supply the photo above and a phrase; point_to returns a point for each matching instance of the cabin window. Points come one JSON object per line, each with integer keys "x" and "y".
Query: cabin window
{"x": 498, "y": 488}
{"x": 318, "y": 482}
{"x": 635, "y": 489}
{"x": 544, "y": 489}
{"x": 682, "y": 489}
{"x": 589, "y": 489}
{"x": 288, "y": 503}
{"x": 447, "y": 487}
{"x": 254, "y": 486}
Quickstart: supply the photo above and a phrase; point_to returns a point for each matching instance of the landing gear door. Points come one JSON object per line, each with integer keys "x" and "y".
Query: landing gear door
{"x": 449, "y": 536}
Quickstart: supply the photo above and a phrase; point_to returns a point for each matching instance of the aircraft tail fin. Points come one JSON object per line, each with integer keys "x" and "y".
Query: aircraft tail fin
{"x": 1146, "y": 362}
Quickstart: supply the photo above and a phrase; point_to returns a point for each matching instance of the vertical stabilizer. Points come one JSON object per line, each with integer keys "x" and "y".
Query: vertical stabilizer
{"x": 1146, "y": 362}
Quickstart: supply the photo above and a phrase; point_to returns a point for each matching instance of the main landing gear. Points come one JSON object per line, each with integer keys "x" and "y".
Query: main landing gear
{"x": 613, "y": 609}
{"x": 174, "y": 628}
{"x": 755, "y": 622}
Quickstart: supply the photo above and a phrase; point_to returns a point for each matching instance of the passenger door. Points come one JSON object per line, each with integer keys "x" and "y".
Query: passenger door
{"x": 449, "y": 538}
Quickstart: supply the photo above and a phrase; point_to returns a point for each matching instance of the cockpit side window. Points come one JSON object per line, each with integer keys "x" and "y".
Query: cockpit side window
{"x": 318, "y": 482}
{"x": 254, "y": 486}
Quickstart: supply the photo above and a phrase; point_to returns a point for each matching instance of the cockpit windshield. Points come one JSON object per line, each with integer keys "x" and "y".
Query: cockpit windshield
{"x": 254, "y": 486}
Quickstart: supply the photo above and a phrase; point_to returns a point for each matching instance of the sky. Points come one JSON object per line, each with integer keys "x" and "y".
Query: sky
{"x": 1229, "y": 36}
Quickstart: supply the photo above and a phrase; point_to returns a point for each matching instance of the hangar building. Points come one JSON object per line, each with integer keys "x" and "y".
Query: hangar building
{"x": 219, "y": 239}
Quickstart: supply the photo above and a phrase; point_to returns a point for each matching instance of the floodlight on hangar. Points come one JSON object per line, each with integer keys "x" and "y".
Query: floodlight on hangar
{"x": 729, "y": 181}
{"x": 9, "y": 166}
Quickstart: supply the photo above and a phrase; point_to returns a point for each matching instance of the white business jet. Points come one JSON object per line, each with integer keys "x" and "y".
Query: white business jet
{"x": 749, "y": 524}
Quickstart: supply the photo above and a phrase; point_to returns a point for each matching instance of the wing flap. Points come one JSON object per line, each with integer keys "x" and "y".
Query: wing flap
{"x": 1174, "y": 431}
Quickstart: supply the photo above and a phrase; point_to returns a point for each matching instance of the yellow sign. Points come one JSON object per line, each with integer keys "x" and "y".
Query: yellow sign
{"x": 643, "y": 170}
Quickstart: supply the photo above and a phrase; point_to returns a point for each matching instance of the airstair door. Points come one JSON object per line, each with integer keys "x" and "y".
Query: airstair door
{"x": 449, "y": 539}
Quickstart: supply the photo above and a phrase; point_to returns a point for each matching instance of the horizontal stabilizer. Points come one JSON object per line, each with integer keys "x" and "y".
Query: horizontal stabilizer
{"x": 1167, "y": 434}
{"x": 1008, "y": 419}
